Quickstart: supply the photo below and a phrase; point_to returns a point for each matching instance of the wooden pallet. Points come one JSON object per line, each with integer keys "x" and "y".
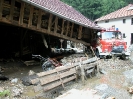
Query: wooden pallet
{"x": 54, "y": 78}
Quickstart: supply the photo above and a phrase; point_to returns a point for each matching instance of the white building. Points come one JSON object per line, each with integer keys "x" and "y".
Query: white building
{"x": 121, "y": 19}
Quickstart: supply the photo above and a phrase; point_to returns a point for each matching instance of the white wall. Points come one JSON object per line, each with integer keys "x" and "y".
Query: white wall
{"x": 126, "y": 27}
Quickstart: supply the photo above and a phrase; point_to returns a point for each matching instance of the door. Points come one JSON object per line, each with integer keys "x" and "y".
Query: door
{"x": 131, "y": 38}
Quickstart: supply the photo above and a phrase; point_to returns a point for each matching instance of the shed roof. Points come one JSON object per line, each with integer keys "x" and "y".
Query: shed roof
{"x": 63, "y": 10}
{"x": 123, "y": 12}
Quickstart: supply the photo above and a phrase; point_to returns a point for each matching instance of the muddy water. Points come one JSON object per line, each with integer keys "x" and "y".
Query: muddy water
{"x": 114, "y": 78}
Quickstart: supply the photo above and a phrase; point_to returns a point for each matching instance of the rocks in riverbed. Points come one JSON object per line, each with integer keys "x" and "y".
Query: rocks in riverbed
{"x": 17, "y": 91}
{"x": 27, "y": 79}
{"x": 130, "y": 90}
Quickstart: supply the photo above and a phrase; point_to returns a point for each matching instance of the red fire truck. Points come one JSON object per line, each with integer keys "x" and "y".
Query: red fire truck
{"x": 110, "y": 43}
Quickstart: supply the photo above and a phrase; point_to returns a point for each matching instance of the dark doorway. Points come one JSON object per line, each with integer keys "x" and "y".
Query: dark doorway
{"x": 131, "y": 38}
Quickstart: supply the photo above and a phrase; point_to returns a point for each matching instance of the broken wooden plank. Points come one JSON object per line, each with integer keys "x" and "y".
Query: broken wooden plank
{"x": 54, "y": 70}
{"x": 51, "y": 86}
{"x": 90, "y": 71}
{"x": 60, "y": 79}
{"x": 89, "y": 67}
{"x": 46, "y": 73}
{"x": 90, "y": 60}
{"x": 69, "y": 79}
{"x": 61, "y": 68}
{"x": 55, "y": 77}
{"x": 85, "y": 61}
{"x": 34, "y": 81}
{"x": 65, "y": 74}
{"x": 31, "y": 62}
{"x": 49, "y": 79}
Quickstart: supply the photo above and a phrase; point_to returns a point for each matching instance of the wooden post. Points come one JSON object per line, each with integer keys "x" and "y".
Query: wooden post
{"x": 67, "y": 27}
{"x": 21, "y": 43}
{"x": 21, "y": 13}
{"x": 72, "y": 29}
{"x": 62, "y": 27}
{"x": 60, "y": 80}
{"x": 80, "y": 32}
{"x": 82, "y": 74}
{"x": 91, "y": 34}
{"x": 56, "y": 24}
{"x": 30, "y": 16}
{"x": 39, "y": 19}
{"x": 49, "y": 22}
{"x": 11, "y": 10}
{"x": 1, "y": 8}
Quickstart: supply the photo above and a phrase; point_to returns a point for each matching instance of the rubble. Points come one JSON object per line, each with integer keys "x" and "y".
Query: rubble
{"x": 17, "y": 91}
{"x": 130, "y": 90}
{"x": 114, "y": 82}
{"x": 15, "y": 80}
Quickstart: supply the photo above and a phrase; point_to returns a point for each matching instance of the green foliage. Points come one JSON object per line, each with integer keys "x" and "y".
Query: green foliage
{"x": 94, "y": 9}
{"x": 5, "y": 93}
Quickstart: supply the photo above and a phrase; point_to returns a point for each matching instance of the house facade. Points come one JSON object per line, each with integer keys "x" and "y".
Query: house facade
{"x": 121, "y": 19}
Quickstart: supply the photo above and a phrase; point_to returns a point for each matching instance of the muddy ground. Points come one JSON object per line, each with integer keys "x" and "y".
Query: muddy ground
{"x": 113, "y": 80}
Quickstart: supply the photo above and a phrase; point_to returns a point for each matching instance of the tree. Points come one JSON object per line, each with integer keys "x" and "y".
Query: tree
{"x": 89, "y": 8}
{"x": 94, "y": 9}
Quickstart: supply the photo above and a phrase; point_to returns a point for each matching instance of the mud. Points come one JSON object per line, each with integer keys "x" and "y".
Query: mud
{"x": 112, "y": 77}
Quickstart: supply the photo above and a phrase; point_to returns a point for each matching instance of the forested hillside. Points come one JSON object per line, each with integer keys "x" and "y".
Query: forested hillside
{"x": 94, "y": 9}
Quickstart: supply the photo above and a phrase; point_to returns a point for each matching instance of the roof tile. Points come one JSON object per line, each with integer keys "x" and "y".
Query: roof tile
{"x": 123, "y": 12}
{"x": 63, "y": 10}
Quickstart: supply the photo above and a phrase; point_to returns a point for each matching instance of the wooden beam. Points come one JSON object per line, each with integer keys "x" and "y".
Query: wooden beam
{"x": 21, "y": 43}
{"x": 62, "y": 27}
{"x": 21, "y": 13}
{"x": 30, "y": 16}
{"x": 56, "y": 24}
{"x": 1, "y": 8}
{"x": 45, "y": 31}
{"x": 39, "y": 19}
{"x": 91, "y": 33}
{"x": 51, "y": 86}
{"x": 72, "y": 30}
{"x": 80, "y": 32}
{"x": 49, "y": 22}
{"x": 67, "y": 27}
{"x": 11, "y": 10}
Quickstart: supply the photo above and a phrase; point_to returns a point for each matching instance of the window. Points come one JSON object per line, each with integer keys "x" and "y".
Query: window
{"x": 96, "y": 22}
{"x": 106, "y": 21}
{"x": 131, "y": 21}
{"x": 124, "y": 20}
{"x": 124, "y": 36}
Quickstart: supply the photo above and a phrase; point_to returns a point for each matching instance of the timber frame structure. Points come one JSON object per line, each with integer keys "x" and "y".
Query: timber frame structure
{"x": 28, "y": 15}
